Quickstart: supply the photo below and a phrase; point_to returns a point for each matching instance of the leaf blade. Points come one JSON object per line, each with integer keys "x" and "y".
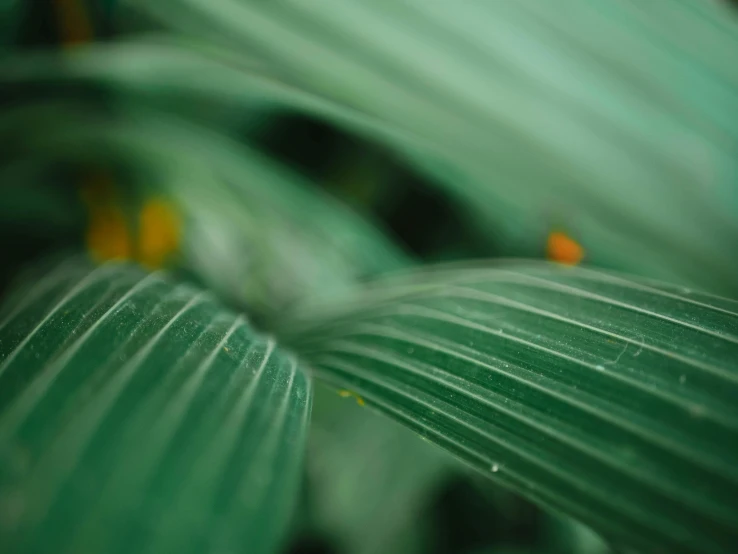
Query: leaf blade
{"x": 610, "y": 399}
{"x": 138, "y": 414}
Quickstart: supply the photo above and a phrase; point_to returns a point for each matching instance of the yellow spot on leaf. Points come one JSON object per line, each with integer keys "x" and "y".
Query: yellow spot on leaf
{"x": 74, "y": 23}
{"x": 563, "y": 249}
{"x": 347, "y": 393}
{"x": 159, "y": 233}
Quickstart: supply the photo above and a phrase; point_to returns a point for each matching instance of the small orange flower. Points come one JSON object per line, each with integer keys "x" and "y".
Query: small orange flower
{"x": 159, "y": 233}
{"x": 563, "y": 249}
{"x": 107, "y": 235}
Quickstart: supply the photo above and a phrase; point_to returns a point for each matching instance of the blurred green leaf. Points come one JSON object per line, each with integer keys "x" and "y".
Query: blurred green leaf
{"x": 371, "y": 478}
{"x": 10, "y": 15}
{"x": 156, "y": 69}
{"x": 139, "y": 415}
{"x": 611, "y": 399}
{"x": 613, "y": 119}
{"x": 574, "y": 537}
{"x": 254, "y": 232}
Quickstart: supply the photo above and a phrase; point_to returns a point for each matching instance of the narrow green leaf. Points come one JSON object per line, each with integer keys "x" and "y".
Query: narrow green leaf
{"x": 611, "y": 399}
{"x": 137, "y": 415}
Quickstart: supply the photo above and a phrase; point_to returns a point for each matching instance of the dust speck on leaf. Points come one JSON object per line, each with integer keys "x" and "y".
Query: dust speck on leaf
{"x": 346, "y": 393}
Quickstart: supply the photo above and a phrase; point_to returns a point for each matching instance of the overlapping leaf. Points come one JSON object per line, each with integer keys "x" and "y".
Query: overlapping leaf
{"x": 139, "y": 415}
{"x": 614, "y": 118}
{"x": 611, "y": 399}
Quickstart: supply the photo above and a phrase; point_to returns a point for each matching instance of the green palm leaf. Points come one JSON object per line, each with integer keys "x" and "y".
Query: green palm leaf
{"x": 139, "y": 415}
{"x": 611, "y": 399}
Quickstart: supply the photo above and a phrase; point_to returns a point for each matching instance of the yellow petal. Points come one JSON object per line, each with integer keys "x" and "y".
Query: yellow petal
{"x": 159, "y": 233}
{"x": 107, "y": 235}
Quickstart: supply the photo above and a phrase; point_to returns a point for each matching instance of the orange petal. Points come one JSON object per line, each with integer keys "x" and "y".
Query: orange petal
{"x": 159, "y": 233}
{"x": 107, "y": 235}
{"x": 563, "y": 249}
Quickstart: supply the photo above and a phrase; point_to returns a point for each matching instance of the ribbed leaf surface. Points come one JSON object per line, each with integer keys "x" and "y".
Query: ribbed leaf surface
{"x": 614, "y": 400}
{"x": 137, "y": 415}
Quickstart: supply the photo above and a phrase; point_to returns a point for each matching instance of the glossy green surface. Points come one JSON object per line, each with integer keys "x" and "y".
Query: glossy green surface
{"x": 137, "y": 415}
{"x": 611, "y": 399}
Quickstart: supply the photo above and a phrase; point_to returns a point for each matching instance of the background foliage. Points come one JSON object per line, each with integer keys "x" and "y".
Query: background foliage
{"x": 268, "y": 159}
